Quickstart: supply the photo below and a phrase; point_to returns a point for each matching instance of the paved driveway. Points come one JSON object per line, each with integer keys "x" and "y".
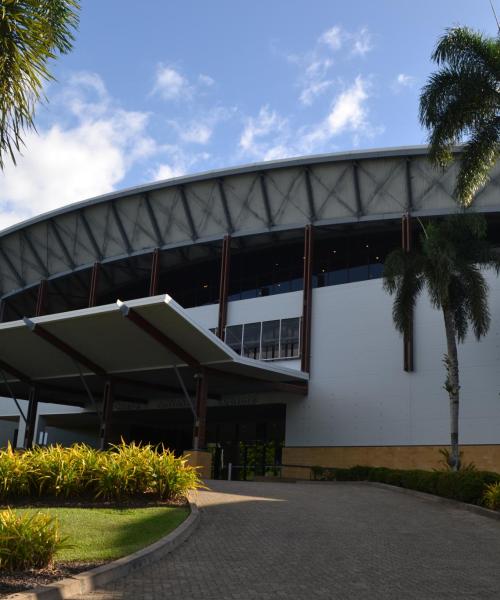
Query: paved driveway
{"x": 342, "y": 541}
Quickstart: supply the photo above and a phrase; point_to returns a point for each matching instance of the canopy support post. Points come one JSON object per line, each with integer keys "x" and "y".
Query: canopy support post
{"x": 41, "y": 298}
{"x": 200, "y": 426}
{"x": 29, "y": 433}
{"x": 94, "y": 280}
{"x": 107, "y": 410}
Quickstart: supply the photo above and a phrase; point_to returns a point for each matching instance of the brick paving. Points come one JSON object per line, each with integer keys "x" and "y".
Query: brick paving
{"x": 308, "y": 541}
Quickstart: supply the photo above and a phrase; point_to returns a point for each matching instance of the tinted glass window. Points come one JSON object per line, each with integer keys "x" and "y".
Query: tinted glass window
{"x": 270, "y": 340}
{"x": 290, "y": 336}
{"x": 234, "y": 335}
{"x": 251, "y": 340}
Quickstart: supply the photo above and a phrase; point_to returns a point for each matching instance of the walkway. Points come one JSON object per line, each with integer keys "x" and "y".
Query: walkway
{"x": 263, "y": 541}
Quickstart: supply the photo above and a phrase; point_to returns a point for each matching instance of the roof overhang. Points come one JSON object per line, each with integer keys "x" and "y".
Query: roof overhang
{"x": 142, "y": 345}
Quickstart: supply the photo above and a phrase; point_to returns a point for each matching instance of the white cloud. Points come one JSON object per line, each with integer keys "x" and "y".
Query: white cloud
{"x": 333, "y": 37}
{"x": 259, "y": 132}
{"x": 170, "y": 84}
{"x": 348, "y": 114}
{"x": 269, "y": 136}
{"x": 167, "y": 171}
{"x": 314, "y": 89}
{"x": 361, "y": 42}
{"x": 403, "y": 81}
{"x": 197, "y": 133}
{"x": 206, "y": 80}
{"x": 66, "y": 163}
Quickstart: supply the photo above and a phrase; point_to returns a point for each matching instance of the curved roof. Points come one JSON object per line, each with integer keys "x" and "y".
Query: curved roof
{"x": 259, "y": 198}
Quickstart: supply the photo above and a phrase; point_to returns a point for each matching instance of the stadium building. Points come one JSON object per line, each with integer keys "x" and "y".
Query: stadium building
{"x": 243, "y": 306}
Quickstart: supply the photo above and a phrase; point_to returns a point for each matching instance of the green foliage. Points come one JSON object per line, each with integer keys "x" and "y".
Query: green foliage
{"x": 460, "y": 103}
{"x": 491, "y": 496}
{"x": 467, "y": 485}
{"x": 28, "y": 541}
{"x": 122, "y": 472}
{"x": 31, "y": 33}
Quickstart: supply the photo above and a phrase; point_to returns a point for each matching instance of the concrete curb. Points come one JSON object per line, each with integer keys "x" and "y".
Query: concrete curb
{"x": 83, "y": 583}
{"x": 473, "y": 508}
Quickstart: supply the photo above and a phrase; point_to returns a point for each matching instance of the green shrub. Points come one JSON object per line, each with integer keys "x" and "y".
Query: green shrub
{"x": 28, "y": 541}
{"x": 491, "y": 496}
{"x": 124, "y": 471}
{"x": 466, "y": 485}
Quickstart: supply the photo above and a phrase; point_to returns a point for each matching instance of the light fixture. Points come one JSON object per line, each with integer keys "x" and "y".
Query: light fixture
{"x": 366, "y": 246}
{"x": 205, "y": 285}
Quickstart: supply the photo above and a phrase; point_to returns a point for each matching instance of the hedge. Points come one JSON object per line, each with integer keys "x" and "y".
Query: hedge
{"x": 468, "y": 485}
{"x": 124, "y": 471}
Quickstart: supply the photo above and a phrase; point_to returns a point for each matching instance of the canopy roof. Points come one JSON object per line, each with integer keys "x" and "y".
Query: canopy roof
{"x": 142, "y": 346}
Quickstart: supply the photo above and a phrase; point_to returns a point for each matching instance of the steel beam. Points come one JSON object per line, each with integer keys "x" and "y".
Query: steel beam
{"x": 305, "y": 331}
{"x": 62, "y": 245}
{"x": 155, "y": 273}
{"x": 121, "y": 228}
{"x": 224, "y": 285}
{"x": 91, "y": 236}
{"x": 154, "y": 220}
{"x": 406, "y": 242}
{"x": 94, "y": 282}
{"x": 310, "y": 195}
{"x": 265, "y": 198}
{"x": 41, "y": 299}
{"x": 187, "y": 211}
{"x": 225, "y": 206}
{"x": 357, "y": 190}
{"x": 65, "y": 348}
{"x": 38, "y": 259}
{"x": 29, "y": 432}
{"x": 148, "y": 328}
{"x": 12, "y": 268}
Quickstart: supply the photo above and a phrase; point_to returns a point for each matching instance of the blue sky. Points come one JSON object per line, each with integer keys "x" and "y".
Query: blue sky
{"x": 158, "y": 89}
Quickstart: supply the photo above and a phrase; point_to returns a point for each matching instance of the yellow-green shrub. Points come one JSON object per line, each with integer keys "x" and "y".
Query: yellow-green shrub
{"x": 491, "y": 497}
{"x": 28, "y": 541}
{"x": 124, "y": 471}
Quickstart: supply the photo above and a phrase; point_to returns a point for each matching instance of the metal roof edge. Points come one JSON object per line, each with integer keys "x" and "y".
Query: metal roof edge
{"x": 299, "y": 161}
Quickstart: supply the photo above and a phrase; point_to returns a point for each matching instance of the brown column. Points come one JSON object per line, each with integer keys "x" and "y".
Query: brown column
{"x": 224, "y": 285}
{"x": 107, "y": 410}
{"x": 41, "y": 298}
{"x": 94, "y": 281}
{"x": 200, "y": 426}
{"x": 406, "y": 242}
{"x": 29, "y": 432}
{"x": 305, "y": 332}
{"x": 155, "y": 273}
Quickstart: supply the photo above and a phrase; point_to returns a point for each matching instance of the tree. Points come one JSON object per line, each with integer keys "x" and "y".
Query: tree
{"x": 461, "y": 103}
{"x": 448, "y": 263}
{"x": 32, "y": 32}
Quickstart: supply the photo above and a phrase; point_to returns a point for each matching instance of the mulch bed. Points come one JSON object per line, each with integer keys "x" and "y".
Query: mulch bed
{"x": 22, "y": 581}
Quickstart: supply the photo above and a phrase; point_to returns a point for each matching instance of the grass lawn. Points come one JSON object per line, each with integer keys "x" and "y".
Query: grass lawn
{"x": 97, "y": 534}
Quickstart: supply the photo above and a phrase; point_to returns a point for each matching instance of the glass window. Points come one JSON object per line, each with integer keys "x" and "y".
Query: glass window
{"x": 270, "y": 340}
{"x": 234, "y": 336}
{"x": 251, "y": 340}
{"x": 290, "y": 336}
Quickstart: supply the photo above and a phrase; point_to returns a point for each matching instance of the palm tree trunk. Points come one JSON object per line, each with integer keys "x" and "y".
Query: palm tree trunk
{"x": 452, "y": 385}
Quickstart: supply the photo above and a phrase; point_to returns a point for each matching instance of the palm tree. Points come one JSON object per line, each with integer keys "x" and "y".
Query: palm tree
{"x": 448, "y": 263}
{"x": 31, "y": 33}
{"x": 461, "y": 103}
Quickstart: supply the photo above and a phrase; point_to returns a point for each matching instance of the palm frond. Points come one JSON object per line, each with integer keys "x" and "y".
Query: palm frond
{"x": 463, "y": 47}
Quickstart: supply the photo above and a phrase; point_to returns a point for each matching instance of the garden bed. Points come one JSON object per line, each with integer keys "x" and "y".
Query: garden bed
{"x": 110, "y": 533}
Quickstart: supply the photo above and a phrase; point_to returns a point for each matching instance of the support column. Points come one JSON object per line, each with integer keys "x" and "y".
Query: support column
{"x": 29, "y": 432}
{"x": 107, "y": 410}
{"x": 406, "y": 242}
{"x": 94, "y": 281}
{"x": 224, "y": 285}
{"x": 155, "y": 273}
{"x": 200, "y": 426}
{"x": 305, "y": 331}
{"x": 41, "y": 299}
